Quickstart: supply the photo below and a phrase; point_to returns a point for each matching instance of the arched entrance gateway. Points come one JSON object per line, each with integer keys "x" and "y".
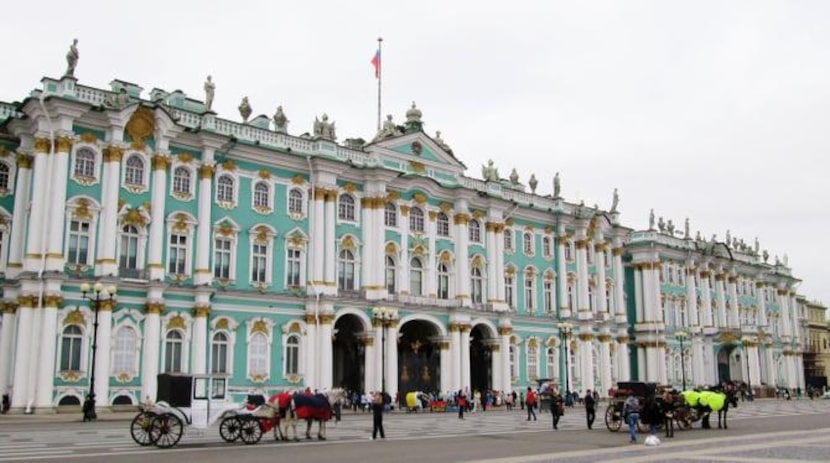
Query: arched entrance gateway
{"x": 481, "y": 358}
{"x": 419, "y": 357}
{"x": 348, "y": 351}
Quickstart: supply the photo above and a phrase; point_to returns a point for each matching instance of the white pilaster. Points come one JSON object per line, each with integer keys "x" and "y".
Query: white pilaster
{"x": 21, "y": 215}
{"x": 392, "y": 359}
{"x": 733, "y": 302}
{"x": 318, "y": 235}
{"x": 157, "y": 226}
{"x": 698, "y": 372}
{"x": 623, "y": 359}
{"x": 22, "y": 354}
{"x": 762, "y": 304}
{"x": 604, "y": 363}
{"x": 403, "y": 264}
{"x": 583, "y": 308}
{"x": 46, "y": 363}
{"x": 380, "y": 367}
{"x": 55, "y": 222}
{"x": 369, "y": 235}
{"x": 465, "y": 357}
{"x": 586, "y": 361}
{"x": 495, "y": 365}
{"x": 370, "y": 380}
{"x": 312, "y": 352}
{"x": 325, "y": 346}
{"x": 150, "y": 349}
{"x": 446, "y": 367}
{"x": 706, "y": 298}
{"x": 330, "y": 241}
{"x": 599, "y": 265}
{"x": 619, "y": 287}
{"x": 6, "y": 345}
{"x": 562, "y": 277}
{"x": 102, "y": 355}
{"x": 37, "y": 212}
{"x": 105, "y": 262}
{"x": 499, "y": 242}
{"x": 431, "y": 270}
{"x": 203, "y": 274}
{"x": 639, "y": 300}
{"x": 492, "y": 263}
{"x": 462, "y": 258}
{"x": 720, "y": 295}
{"x": 455, "y": 355}
{"x": 504, "y": 338}
{"x": 200, "y": 341}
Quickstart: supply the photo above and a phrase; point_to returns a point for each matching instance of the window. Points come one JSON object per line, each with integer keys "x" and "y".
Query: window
{"x": 258, "y": 355}
{"x": 532, "y": 362}
{"x": 292, "y": 355}
{"x": 609, "y": 302}
{"x": 219, "y": 353}
{"x": 547, "y": 288}
{"x": 591, "y": 295}
{"x": 474, "y": 229}
{"x": 345, "y": 278}
{"x": 85, "y": 163}
{"x": 390, "y": 275}
{"x": 551, "y": 363}
{"x": 71, "y": 341}
{"x": 606, "y": 259}
{"x": 508, "y": 239}
{"x": 222, "y": 258}
{"x": 346, "y": 207}
{"x": 569, "y": 250}
{"x": 510, "y": 290}
{"x": 416, "y": 277}
{"x": 527, "y": 243}
{"x": 129, "y": 248}
{"x": 390, "y": 215}
{"x": 443, "y": 281}
{"x": 259, "y": 262}
{"x": 477, "y": 285}
{"x": 512, "y": 360}
{"x": 292, "y": 271}
{"x": 416, "y": 219}
{"x": 295, "y": 201}
{"x": 571, "y": 297}
{"x": 79, "y": 233}
{"x": 177, "y": 257}
{"x": 173, "y": 352}
{"x": 134, "y": 170}
{"x": 4, "y": 176}
{"x": 262, "y": 196}
{"x": 442, "y": 223}
{"x": 181, "y": 183}
{"x": 224, "y": 189}
{"x": 530, "y": 293}
{"x": 546, "y": 248}
{"x": 124, "y": 351}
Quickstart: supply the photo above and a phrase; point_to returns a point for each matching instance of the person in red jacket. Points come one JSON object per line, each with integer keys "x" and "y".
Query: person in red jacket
{"x": 530, "y": 401}
{"x": 461, "y": 399}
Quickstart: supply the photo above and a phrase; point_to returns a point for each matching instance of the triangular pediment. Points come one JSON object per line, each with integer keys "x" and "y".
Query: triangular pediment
{"x": 418, "y": 154}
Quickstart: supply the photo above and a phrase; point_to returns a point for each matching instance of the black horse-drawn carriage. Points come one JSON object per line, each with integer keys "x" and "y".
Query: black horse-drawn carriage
{"x": 614, "y": 418}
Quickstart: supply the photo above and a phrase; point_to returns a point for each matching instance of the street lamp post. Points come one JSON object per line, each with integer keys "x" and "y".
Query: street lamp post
{"x": 95, "y": 295}
{"x": 682, "y": 335}
{"x": 385, "y": 316}
{"x": 565, "y": 330}
{"x": 745, "y": 342}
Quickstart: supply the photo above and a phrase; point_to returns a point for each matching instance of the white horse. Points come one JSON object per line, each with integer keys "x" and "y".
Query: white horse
{"x": 284, "y": 404}
{"x": 324, "y": 414}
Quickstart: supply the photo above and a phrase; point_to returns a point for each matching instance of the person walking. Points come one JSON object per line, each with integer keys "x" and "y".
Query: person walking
{"x": 377, "y": 416}
{"x": 557, "y": 407}
{"x": 462, "y": 404}
{"x": 631, "y": 413}
{"x": 668, "y": 412}
{"x": 590, "y": 408}
{"x": 530, "y": 402}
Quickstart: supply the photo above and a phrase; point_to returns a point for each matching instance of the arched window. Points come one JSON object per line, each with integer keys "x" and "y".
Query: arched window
{"x": 416, "y": 219}
{"x": 262, "y": 196}
{"x": 85, "y": 163}
{"x": 552, "y": 371}
{"x": 477, "y": 285}
{"x": 546, "y": 247}
{"x": 416, "y": 277}
{"x": 547, "y": 287}
{"x": 173, "y": 344}
{"x": 129, "y": 248}
{"x": 474, "y": 229}
{"x": 181, "y": 182}
{"x": 508, "y": 239}
{"x": 219, "y": 353}
{"x": 345, "y": 279}
{"x": 222, "y": 253}
{"x": 569, "y": 250}
{"x": 224, "y": 189}
{"x": 124, "y": 351}
{"x": 530, "y": 292}
{"x": 78, "y": 246}
{"x": 527, "y": 242}
{"x": 294, "y": 267}
{"x": 390, "y": 216}
{"x": 4, "y": 176}
{"x": 442, "y": 224}
{"x": 292, "y": 355}
{"x": 510, "y": 289}
{"x": 591, "y": 295}
{"x": 71, "y": 341}
{"x": 532, "y": 362}
{"x": 571, "y": 297}
{"x": 513, "y": 361}
{"x": 443, "y": 281}
{"x": 258, "y": 355}
{"x": 346, "y": 207}
{"x": 295, "y": 201}
{"x": 134, "y": 170}
{"x": 390, "y": 275}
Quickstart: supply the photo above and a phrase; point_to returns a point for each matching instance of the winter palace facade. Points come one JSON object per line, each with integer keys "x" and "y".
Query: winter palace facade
{"x": 284, "y": 261}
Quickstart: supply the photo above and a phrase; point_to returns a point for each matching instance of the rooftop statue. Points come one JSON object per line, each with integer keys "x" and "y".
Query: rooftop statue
{"x": 686, "y": 232}
{"x": 786, "y": 260}
{"x": 661, "y": 225}
{"x": 728, "y": 237}
{"x": 245, "y": 110}
{"x": 533, "y": 183}
{"x": 389, "y": 129}
{"x": 489, "y": 172}
{"x": 280, "y": 121}
{"x": 118, "y": 101}
{"x": 72, "y": 59}
{"x": 698, "y": 237}
{"x": 766, "y": 256}
{"x": 616, "y": 201}
{"x": 670, "y": 227}
{"x": 514, "y": 177}
{"x": 557, "y": 187}
{"x": 324, "y": 129}
{"x": 210, "y": 91}
{"x": 651, "y": 220}
{"x": 441, "y": 142}
{"x": 757, "y": 245}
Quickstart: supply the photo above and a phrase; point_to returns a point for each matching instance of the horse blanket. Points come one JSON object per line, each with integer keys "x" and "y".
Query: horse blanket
{"x": 316, "y": 407}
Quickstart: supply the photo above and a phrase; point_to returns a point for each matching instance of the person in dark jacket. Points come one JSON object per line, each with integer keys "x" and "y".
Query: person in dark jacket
{"x": 590, "y": 408}
{"x": 651, "y": 414}
{"x": 377, "y": 416}
{"x": 668, "y": 412}
{"x": 557, "y": 407}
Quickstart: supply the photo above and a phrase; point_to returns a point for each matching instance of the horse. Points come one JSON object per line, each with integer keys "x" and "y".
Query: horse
{"x": 717, "y": 399}
{"x": 415, "y": 401}
{"x": 316, "y": 407}
{"x": 284, "y": 404}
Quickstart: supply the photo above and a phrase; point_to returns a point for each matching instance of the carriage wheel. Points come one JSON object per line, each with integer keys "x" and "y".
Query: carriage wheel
{"x": 140, "y": 428}
{"x": 166, "y": 430}
{"x": 229, "y": 429}
{"x": 613, "y": 418}
{"x": 250, "y": 431}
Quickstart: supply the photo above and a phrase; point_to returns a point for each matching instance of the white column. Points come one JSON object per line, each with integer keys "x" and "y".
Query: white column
{"x": 403, "y": 264}
{"x": 754, "y": 365}
{"x": 720, "y": 295}
{"x": 33, "y": 350}
{"x": 380, "y": 368}
{"x": 370, "y": 364}
{"x": 370, "y": 236}
{"x": 431, "y": 270}
{"x": 6, "y": 345}
{"x": 203, "y": 273}
{"x": 495, "y": 366}
{"x": 102, "y": 355}
{"x": 462, "y": 259}
{"x": 760, "y": 290}
{"x": 656, "y": 294}
{"x": 22, "y": 351}
{"x": 499, "y": 242}
{"x": 318, "y": 235}
{"x": 46, "y": 355}
{"x": 492, "y": 263}
{"x": 733, "y": 302}
{"x": 619, "y": 287}
{"x": 55, "y": 222}
{"x": 698, "y": 371}
{"x": 505, "y": 359}
{"x": 37, "y": 211}
{"x": 706, "y": 298}
{"x": 562, "y": 277}
{"x": 599, "y": 265}
{"x": 455, "y": 356}
{"x": 446, "y": 367}
{"x": 311, "y": 344}
{"x": 784, "y": 307}
{"x": 330, "y": 240}
{"x": 392, "y": 358}
{"x": 604, "y": 362}
{"x": 623, "y": 359}
{"x": 586, "y": 361}
{"x": 583, "y": 310}
{"x": 150, "y": 350}
{"x": 199, "y": 342}
{"x": 465, "y": 357}
{"x": 105, "y": 262}
{"x": 772, "y": 371}
{"x": 157, "y": 226}
{"x": 639, "y": 300}
{"x": 326, "y": 354}
{"x": 691, "y": 297}
{"x": 21, "y": 215}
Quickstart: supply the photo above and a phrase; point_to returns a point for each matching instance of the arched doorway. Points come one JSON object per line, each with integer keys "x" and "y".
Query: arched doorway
{"x": 419, "y": 358}
{"x": 348, "y": 353}
{"x": 724, "y": 363}
{"x": 481, "y": 359}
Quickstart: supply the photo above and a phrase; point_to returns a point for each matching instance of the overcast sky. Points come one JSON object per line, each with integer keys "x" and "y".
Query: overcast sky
{"x": 708, "y": 109}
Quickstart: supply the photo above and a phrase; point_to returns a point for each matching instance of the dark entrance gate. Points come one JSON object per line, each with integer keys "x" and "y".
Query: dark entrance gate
{"x": 348, "y": 352}
{"x": 419, "y": 359}
{"x": 481, "y": 360}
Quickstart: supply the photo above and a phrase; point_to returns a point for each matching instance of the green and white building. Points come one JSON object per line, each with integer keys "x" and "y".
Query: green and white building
{"x": 285, "y": 261}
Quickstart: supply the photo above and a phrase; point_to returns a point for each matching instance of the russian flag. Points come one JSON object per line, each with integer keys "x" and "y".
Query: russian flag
{"x": 376, "y": 64}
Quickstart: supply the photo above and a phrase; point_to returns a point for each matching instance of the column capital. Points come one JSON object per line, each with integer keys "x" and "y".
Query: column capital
{"x": 201, "y": 310}
{"x": 27, "y": 302}
{"x": 326, "y": 318}
{"x": 52, "y": 300}
{"x": 107, "y": 305}
{"x": 617, "y": 251}
{"x": 206, "y": 171}
{"x": 461, "y": 219}
{"x": 63, "y": 144}
{"x": 505, "y": 330}
{"x": 160, "y": 161}
{"x": 24, "y": 161}
{"x": 154, "y": 307}
{"x": 113, "y": 153}
{"x": 42, "y": 145}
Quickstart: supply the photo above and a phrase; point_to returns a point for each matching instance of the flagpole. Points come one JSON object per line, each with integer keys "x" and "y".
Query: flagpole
{"x": 380, "y": 75}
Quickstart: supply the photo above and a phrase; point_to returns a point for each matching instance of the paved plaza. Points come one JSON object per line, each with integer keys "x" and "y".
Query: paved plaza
{"x": 764, "y": 431}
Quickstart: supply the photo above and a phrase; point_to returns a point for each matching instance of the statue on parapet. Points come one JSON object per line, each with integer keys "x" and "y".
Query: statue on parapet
{"x": 388, "y": 129}
{"x": 533, "y": 183}
{"x": 210, "y": 91}
{"x": 557, "y": 186}
{"x": 757, "y": 245}
{"x": 615, "y": 201}
{"x": 280, "y": 121}
{"x": 489, "y": 172}
{"x": 245, "y": 110}
{"x": 670, "y": 227}
{"x": 514, "y": 177}
{"x": 765, "y": 256}
{"x": 686, "y": 231}
{"x": 651, "y": 220}
{"x": 72, "y": 59}
{"x": 661, "y": 225}
{"x": 324, "y": 129}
